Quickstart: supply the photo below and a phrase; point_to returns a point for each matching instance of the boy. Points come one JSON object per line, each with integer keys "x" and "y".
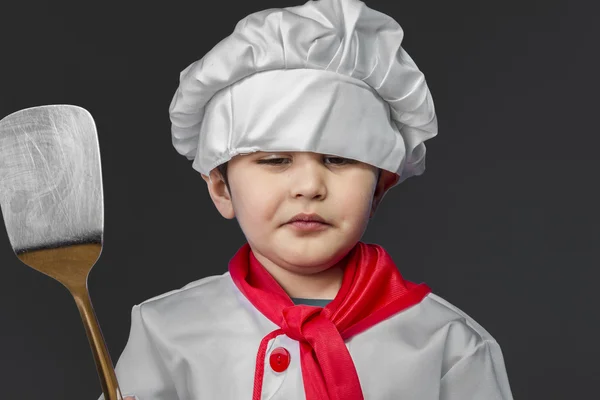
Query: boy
{"x": 299, "y": 123}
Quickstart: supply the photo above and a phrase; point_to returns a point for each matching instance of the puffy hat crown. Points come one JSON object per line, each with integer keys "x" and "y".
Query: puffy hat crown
{"x": 329, "y": 76}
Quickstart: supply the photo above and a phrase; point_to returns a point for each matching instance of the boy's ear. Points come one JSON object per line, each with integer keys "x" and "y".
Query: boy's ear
{"x": 219, "y": 193}
{"x": 386, "y": 180}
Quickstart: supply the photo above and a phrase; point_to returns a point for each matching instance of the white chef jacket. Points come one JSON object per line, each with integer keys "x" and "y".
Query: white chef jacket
{"x": 200, "y": 342}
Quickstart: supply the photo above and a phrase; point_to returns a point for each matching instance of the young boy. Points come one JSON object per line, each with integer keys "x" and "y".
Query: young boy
{"x": 299, "y": 123}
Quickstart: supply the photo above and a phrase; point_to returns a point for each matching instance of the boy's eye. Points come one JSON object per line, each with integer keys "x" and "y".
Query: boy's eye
{"x": 327, "y": 160}
{"x": 339, "y": 160}
{"x": 273, "y": 161}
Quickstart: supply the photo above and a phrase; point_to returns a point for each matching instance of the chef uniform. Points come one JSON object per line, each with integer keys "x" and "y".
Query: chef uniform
{"x": 328, "y": 77}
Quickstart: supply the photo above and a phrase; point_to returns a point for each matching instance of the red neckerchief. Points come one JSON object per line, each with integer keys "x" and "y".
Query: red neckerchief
{"x": 372, "y": 290}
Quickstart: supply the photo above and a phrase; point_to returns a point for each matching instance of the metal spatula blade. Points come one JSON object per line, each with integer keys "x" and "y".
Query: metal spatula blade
{"x": 53, "y": 207}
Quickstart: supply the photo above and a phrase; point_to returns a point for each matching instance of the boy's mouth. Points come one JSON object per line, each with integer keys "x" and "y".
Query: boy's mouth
{"x": 308, "y": 226}
{"x": 308, "y": 223}
{"x": 307, "y": 219}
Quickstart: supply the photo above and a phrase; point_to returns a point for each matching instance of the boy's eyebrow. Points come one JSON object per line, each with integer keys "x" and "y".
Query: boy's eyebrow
{"x": 257, "y": 154}
{"x": 270, "y": 153}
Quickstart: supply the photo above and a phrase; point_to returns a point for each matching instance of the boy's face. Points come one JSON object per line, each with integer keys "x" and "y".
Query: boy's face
{"x": 268, "y": 189}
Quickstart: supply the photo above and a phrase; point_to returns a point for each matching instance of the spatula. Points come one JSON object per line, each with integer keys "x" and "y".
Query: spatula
{"x": 53, "y": 206}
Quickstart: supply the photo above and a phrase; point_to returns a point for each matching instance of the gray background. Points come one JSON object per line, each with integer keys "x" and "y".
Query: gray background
{"x": 504, "y": 223}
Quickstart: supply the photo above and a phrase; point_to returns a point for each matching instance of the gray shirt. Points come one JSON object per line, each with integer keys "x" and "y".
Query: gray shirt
{"x": 310, "y": 302}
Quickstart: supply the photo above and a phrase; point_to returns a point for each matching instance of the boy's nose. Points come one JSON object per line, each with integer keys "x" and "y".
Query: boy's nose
{"x": 309, "y": 182}
{"x": 309, "y": 188}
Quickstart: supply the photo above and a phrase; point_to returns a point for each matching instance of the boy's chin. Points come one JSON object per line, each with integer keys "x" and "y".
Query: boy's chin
{"x": 314, "y": 256}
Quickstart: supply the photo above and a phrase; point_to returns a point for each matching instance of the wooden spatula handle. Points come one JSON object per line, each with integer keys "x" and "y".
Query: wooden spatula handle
{"x": 104, "y": 365}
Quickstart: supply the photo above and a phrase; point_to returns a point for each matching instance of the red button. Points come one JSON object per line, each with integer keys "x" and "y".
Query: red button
{"x": 279, "y": 359}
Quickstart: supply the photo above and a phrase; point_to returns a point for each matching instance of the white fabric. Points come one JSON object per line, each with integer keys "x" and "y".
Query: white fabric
{"x": 200, "y": 343}
{"x": 329, "y": 76}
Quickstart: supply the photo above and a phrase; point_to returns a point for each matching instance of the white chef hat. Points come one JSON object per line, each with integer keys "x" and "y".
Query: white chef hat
{"x": 327, "y": 77}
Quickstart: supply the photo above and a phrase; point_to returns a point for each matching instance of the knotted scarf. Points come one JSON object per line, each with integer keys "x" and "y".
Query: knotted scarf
{"x": 372, "y": 290}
